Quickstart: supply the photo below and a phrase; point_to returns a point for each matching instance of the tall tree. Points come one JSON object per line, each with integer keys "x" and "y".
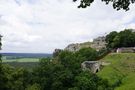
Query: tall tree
{"x": 109, "y": 38}
{"x": 124, "y": 38}
{"x": 117, "y": 4}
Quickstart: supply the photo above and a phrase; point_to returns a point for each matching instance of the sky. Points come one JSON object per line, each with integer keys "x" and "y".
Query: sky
{"x": 40, "y": 26}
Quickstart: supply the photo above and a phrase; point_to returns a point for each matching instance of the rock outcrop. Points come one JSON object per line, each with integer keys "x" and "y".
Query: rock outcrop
{"x": 56, "y": 52}
{"x": 97, "y": 44}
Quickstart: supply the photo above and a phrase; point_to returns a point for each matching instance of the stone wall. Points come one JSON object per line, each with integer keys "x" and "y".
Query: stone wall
{"x": 97, "y": 44}
{"x": 73, "y": 47}
{"x": 93, "y": 66}
{"x": 126, "y": 50}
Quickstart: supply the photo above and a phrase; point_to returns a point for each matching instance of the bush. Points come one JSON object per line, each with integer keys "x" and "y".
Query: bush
{"x": 88, "y": 54}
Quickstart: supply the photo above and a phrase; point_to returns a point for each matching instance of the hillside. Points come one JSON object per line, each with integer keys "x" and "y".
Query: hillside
{"x": 121, "y": 71}
{"x": 97, "y": 43}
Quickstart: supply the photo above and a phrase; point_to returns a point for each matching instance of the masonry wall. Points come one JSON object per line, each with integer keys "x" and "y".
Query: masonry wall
{"x": 97, "y": 44}
{"x": 126, "y": 50}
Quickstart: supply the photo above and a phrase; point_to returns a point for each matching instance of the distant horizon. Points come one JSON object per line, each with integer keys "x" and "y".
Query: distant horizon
{"x": 22, "y": 53}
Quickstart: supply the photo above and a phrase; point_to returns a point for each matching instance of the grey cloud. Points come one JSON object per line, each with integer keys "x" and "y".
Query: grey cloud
{"x": 43, "y": 25}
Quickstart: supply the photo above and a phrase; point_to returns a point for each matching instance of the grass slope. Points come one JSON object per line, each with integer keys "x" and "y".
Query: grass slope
{"x": 121, "y": 72}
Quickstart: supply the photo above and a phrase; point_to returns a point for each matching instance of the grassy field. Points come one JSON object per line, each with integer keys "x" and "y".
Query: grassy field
{"x": 28, "y": 63}
{"x": 121, "y": 72}
{"x": 21, "y": 60}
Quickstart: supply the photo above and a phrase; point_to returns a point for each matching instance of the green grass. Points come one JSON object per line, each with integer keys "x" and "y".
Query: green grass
{"x": 121, "y": 71}
{"x": 22, "y": 60}
{"x": 27, "y": 63}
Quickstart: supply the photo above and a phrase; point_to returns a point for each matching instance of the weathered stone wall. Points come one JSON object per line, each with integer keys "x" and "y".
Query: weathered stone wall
{"x": 126, "y": 50}
{"x": 73, "y": 47}
{"x": 93, "y": 66}
{"x": 97, "y": 44}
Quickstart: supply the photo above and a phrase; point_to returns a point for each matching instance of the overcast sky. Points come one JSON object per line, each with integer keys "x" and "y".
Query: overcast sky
{"x": 40, "y": 26}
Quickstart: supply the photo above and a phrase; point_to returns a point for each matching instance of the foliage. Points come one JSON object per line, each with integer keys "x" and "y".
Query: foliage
{"x": 124, "y": 38}
{"x": 103, "y": 52}
{"x": 33, "y": 87}
{"x": 14, "y": 79}
{"x": 61, "y": 73}
{"x": 89, "y": 54}
{"x": 64, "y": 73}
{"x": 109, "y": 39}
{"x": 117, "y": 4}
{"x": 88, "y": 81}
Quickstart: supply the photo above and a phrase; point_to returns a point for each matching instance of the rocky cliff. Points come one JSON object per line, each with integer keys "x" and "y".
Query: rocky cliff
{"x": 98, "y": 43}
{"x": 78, "y": 46}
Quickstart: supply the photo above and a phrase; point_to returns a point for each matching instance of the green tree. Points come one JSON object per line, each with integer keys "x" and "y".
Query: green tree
{"x": 88, "y": 81}
{"x": 68, "y": 59}
{"x": 14, "y": 78}
{"x": 110, "y": 38}
{"x": 88, "y": 54}
{"x": 117, "y": 4}
{"x": 66, "y": 74}
{"x": 33, "y": 87}
{"x": 124, "y": 38}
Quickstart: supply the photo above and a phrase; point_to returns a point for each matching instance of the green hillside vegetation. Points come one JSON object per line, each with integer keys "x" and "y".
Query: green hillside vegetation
{"x": 121, "y": 72}
{"x": 61, "y": 73}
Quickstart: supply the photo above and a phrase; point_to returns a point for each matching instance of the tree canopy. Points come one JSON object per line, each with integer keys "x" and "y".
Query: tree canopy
{"x": 61, "y": 73}
{"x": 117, "y": 4}
{"x": 124, "y": 38}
